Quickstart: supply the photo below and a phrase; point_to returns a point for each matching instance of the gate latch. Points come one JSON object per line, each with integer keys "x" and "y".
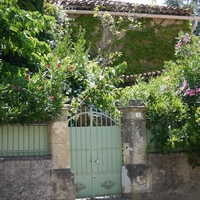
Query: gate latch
{"x": 96, "y": 161}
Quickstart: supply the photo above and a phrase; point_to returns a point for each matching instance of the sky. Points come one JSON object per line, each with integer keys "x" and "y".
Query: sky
{"x": 158, "y": 2}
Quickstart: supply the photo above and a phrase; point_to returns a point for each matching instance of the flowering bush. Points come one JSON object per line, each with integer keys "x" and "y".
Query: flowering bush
{"x": 32, "y": 97}
{"x": 90, "y": 82}
{"x": 173, "y": 101}
{"x": 72, "y": 78}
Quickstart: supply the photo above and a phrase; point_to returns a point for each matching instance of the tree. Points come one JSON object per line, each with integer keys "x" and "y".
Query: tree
{"x": 31, "y": 5}
{"x": 19, "y": 33}
{"x": 30, "y": 92}
{"x": 65, "y": 74}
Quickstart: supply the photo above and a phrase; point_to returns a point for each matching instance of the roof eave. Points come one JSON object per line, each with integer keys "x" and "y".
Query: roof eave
{"x": 139, "y": 15}
{"x": 90, "y": 12}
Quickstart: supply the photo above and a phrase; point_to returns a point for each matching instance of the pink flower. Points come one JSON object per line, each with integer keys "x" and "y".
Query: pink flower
{"x": 58, "y": 63}
{"x": 27, "y": 77}
{"x": 186, "y": 38}
{"x": 52, "y": 98}
{"x": 184, "y": 86}
{"x": 190, "y": 92}
{"x": 71, "y": 68}
{"x": 178, "y": 45}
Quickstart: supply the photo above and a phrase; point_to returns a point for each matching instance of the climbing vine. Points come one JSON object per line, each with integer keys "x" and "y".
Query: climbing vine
{"x": 143, "y": 50}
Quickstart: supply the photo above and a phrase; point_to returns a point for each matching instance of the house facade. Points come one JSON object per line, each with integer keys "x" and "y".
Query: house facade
{"x": 145, "y": 50}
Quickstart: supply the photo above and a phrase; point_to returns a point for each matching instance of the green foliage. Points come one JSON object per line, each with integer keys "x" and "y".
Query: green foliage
{"x": 19, "y": 33}
{"x": 90, "y": 83}
{"x": 31, "y": 5}
{"x": 144, "y": 50}
{"x": 173, "y": 101}
{"x": 32, "y": 97}
{"x": 91, "y": 26}
{"x": 59, "y": 28}
{"x": 194, "y": 4}
{"x": 29, "y": 93}
{"x": 70, "y": 77}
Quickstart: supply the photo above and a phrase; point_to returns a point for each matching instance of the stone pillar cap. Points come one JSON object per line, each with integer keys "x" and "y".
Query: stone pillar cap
{"x": 66, "y": 107}
{"x": 134, "y": 104}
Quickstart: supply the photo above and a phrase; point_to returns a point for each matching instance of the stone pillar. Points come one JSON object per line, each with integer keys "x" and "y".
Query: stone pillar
{"x": 136, "y": 175}
{"x": 61, "y": 176}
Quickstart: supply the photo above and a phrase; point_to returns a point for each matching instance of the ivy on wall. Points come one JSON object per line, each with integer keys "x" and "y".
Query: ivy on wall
{"x": 93, "y": 31}
{"x": 144, "y": 50}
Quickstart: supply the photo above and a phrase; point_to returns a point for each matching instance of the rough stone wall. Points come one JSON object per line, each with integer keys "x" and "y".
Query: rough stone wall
{"x": 25, "y": 178}
{"x": 40, "y": 178}
{"x": 153, "y": 176}
{"x": 173, "y": 178}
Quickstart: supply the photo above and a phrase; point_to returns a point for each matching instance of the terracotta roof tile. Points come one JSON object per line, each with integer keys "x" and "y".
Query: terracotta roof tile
{"x": 119, "y": 6}
{"x": 130, "y": 79}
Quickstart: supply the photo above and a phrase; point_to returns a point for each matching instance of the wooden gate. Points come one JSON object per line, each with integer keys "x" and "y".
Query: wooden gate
{"x": 96, "y": 154}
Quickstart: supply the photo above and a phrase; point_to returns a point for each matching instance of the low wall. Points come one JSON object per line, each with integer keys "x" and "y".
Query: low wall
{"x": 27, "y": 178}
{"x": 153, "y": 176}
{"x": 166, "y": 177}
{"x": 172, "y": 178}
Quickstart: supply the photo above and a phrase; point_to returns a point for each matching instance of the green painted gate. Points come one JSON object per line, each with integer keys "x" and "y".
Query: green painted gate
{"x": 96, "y": 154}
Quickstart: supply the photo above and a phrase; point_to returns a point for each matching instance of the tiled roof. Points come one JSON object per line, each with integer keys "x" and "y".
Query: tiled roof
{"x": 120, "y": 6}
{"x": 130, "y": 79}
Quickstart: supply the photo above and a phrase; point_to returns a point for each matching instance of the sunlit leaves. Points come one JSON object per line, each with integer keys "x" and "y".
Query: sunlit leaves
{"x": 19, "y": 33}
{"x": 173, "y": 101}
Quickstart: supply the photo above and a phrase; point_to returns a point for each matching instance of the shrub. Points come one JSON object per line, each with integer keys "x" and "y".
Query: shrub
{"x": 173, "y": 101}
{"x": 32, "y": 97}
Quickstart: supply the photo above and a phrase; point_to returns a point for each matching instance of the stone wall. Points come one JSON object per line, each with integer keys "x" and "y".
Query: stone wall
{"x": 40, "y": 178}
{"x": 164, "y": 177}
{"x": 153, "y": 176}
{"x": 25, "y": 178}
{"x": 172, "y": 178}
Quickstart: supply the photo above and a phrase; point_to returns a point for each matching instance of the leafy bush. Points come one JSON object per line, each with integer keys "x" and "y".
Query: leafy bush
{"x": 19, "y": 35}
{"x": 173, "y": 101}
{"x": 32, "y": 97}
{"x": 90, "y": 83}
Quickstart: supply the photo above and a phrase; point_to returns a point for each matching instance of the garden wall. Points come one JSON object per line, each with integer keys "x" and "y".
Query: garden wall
{"x": 25, "y": 178}
{"x": 26, "y": 172}
{"x": 145, "y": 176}
{"x": 172, "y": 178}
{"x": 153, "y": 176}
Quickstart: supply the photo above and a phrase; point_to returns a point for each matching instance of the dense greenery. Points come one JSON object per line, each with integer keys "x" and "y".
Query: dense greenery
{"x": 90, "y": 82}
{"x": 19, "y": 33}
{"x": 37, "y": 78}
{"x": 27, "y": 97}
{"x": 144, "y": 50}
{"x": 31, "y": 5}
{"x": 44, "y": 64}
{"x": 173, "y": 101}
{"x": 194, "y": 4}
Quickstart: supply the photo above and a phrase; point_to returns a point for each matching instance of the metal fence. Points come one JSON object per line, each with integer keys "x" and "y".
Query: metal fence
{"x": 27, "y": 140}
